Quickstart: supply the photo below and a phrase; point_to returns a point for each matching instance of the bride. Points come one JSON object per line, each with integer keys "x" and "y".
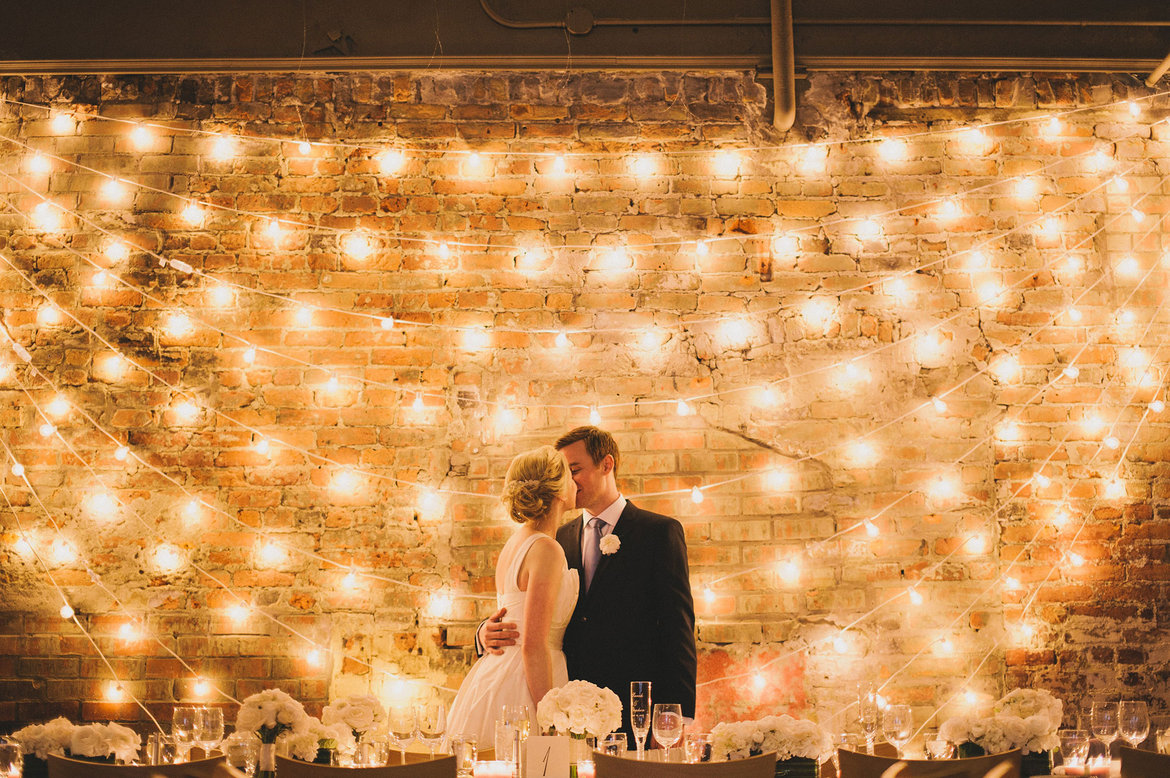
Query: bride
{"x": 538, "y": 590}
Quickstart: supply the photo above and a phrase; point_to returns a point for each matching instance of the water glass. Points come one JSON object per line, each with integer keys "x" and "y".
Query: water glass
{"x": 1163, "y": 738}
{"x": 614, "y": 745}
{"x": 938, "y": 748}
{"x": 640, "y": 714}
{"x": 668, "y": 726}
{"x": 208, "y": 727}
{"x": 898, "y": 726}
{"x": 11, "y": 760}
{"x": 401, "y": 721}
{"x": 697, "y": 747}
{"x": 464, "y": 750}
{"x": 431, "y": 724}
{"x": 1103, "y": 721}
{"x": 505, "y": 741}
{"x": 1074, "y": 745}
{"x": 184, "y": 721}
{"x": 1133, "y": 721}
{"x": 242, "y": 754}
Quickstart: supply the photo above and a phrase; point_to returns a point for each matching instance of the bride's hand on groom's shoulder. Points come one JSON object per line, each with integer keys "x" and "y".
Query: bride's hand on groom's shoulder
{"x": 498, "y": 634}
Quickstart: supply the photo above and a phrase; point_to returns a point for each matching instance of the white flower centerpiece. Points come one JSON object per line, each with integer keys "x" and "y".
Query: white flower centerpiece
{"x": 581, "y": 710}
{"x": 270, "y": 714}
{"x": 98, "y": 742}
{"x": 798, "y": 744}
{"x": 316, "y": 741}
{"x": 40, "y": 740}
{"x": 360, "y": 714}
{"x": 1026, "y": 719}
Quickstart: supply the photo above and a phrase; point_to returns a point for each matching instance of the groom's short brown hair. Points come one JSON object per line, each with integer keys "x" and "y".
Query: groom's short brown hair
{"x": 598, "y": 443}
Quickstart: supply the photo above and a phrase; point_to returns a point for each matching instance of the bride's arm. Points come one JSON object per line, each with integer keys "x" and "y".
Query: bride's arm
{"x": 543, "y": 568}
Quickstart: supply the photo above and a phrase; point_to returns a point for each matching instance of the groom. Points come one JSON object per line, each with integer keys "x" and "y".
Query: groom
{"x": 634, "y": 619}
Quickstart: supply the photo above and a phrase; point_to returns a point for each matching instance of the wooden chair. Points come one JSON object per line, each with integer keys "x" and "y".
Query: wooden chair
{"x": 618, "y": 767}
{"x": 1143, "y": 764}
{"x": 855, "y": 765}
{"x": 440, "y": 767}
{"x": 64, "y": 767}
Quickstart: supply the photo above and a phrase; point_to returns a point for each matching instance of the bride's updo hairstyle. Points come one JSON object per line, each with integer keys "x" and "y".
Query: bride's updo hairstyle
{"x": 535, "y": 478}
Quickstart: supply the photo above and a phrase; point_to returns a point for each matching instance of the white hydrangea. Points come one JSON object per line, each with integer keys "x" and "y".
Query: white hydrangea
{"x": 580, "y": 708}
{"x": 1025, "y": 718}
{"x": 788, "y": 737}
{"x": 40, "y": 740}
{"x": 101, "y": 740}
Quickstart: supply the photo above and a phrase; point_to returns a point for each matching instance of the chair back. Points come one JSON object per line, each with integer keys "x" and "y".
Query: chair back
{"x": 441, "y": 767}
{"x": 1143, "y": 764}
{"x": 64, "y": 767}
{"x": 606, "y": 766}
{"x": 855, "y": 765}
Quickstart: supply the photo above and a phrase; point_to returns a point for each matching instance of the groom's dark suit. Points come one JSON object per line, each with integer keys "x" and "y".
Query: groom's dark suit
{"x": 637, "y": 621}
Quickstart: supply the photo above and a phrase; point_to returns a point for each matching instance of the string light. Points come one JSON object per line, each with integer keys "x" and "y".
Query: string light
{"x": 1134, "y": 109}
{"x": 58, "y": 407}
{"x": 238, "y": 612}
{"x": 696, "y": 495}
{"x": 270, "y": 554}
{"x": 114, "y": 191}
{"x": 789, "y": 571}
{"x": 62, "y": 123}
{"x": 193, "y": 215}
{"x": 871, "y": 529}
{"x": 939, "y": 404}
{"x": 192, "y": 511}
{"x": 418, "y": 406}
{"x": 441, "y": 605}
{"x": 141, "y": 137}
{"x": 223, "y": 148}
{"x": 47, "y": 430}
{"x": 346, "y": 481}
{"x": 357, "y": 245}
{"x": 759, "y": 682}
{"x": 262, "y": 446}
{"x": 102, "y": 505}
{"x": 892, "y": 150}
{"x": 562, "y": 340}
{"x": 386, "y": 322}
{"x": 117, "y": 251}
{"x": 168, "y": 558}
{"x": 915, "y": 596}
{"x": 726, "y": 164}
{"x": 121, "y": 453}
{"x": 66, "y": 611}
{"x": 594, "y": 416}
{"x": 1128, "y": 267}
{"x": 221, "y": 295}
{"x": 39, "y": 165}
{"x": 313, "y": 657}
{"x": 683, "y": 408}
{"x": 179, "y": 324}
{"x": 17, "y": 469}
{"x": 303, "y": 316}
{"x": 47, "y": 217}
{"x": 1157, "y": 406}
{"x": 305, "y": 148}
{"x": 113, "y": 692}
{"x": 250, "y": 355}
{"x": 128, "y": 632}
{"x": 201, "y": 688}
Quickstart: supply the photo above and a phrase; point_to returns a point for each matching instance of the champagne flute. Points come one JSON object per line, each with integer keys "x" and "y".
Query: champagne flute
{"x": 640, "y": 714}
{"x": 402, "y": 727}
{"x": 184, "y": 720}
{"x": 431, "y": 724}
{"x": 668, "y": 726}
{"x": 868, "y": 713}
{"x": 1103, "y": 721}
{"x": 898, "y": 726}
{"x": 1133, "y": 721}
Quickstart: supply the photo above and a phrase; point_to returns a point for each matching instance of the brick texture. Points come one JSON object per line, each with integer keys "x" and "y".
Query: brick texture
{"x": 643, "y": 335}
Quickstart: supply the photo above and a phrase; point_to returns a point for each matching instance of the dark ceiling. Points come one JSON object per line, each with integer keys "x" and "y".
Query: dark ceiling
{"x": 162, "y": 35}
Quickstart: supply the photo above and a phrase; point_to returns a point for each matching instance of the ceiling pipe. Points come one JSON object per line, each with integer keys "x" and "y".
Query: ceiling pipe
{"x": 783, "y": 66}
{"x": 1159, "y": 72}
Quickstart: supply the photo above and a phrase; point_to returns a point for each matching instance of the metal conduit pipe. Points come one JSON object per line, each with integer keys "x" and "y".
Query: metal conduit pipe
{"x": 783, "y": 66}
{"x": 1159, "y": 71}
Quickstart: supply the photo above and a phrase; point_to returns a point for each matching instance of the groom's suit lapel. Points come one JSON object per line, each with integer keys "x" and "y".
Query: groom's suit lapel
{"x": 573, "y": 548}
{"x": 627, "y": 525}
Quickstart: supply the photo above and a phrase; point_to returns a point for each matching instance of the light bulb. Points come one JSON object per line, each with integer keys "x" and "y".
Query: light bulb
{"x": 58, "y": 407}
{"x": 38, "y": 164}
{"x": 476, "y": 339}
{"x": 614, "y": 259}
{"x": 100, "y": 278}
{"x": 305, "y": 148}
{"x": 178, "y": 324}
{"x": 332, "y": 385}
{"x": 474, "y": 162}
{"x": 868, "y": 229}
{"x": 1060, "y": 517}
{"x": 186, "y": 412}
{"x": 66, "y": 612}
{"x": 1112, "y": 442}
{"x": 430, "y": 502}
{"x": 1025, "y": 188}
{"x": 1137, "y": 215}
{"x": 1026, "y": 631}
{"x": 201, "y": 687}
{"x": 121, "y": 452}
{"x": 193, "y": 215}
{"x": 789, "y": 571}
{"x": 726, "y": 164}
{"x": 386, "y": 322}
{"x": 944, "y": 488}
{"x": 237, "y": 612}
{"x": 778, "y": 479}
{"x": 976, "y": 261}
{"x": 62, "y": 553}
{"x": 250, "y": 355}
{"x": 840, "y": 644}
{"x": 871, "y": 529}
{"x": 1099, "y": 161}
{"x": 559, "y": 167}
{"x": 168, "y": 558}
{"x": 221, "y": 295}
{"x": 350, "y": 580}
{"x": 1054, "y": 126}
{"x": 949, "y": 209}
{"x": 976, "y": 544}
{"x": 892, "y": 150}
{"x": 1005, "y": 368}
{"x": 262, "y": 446}
{"x": 785, "y": 246}
{"x": 683, "y": 408}
{"x": 594, "y": 416}
{"x": 1134, "y": 109}
{"x": 708, "y": 595}
{"x": 418, "y": 406}
{"x": 1076, "y": 559}
{"x": 313, "y": 657}
{"x": 114, "y": 692}
{"x": 1157, "y": 406}
{"x": 114, "y": 191}
{"x": 102, "y": 505}
{"x": 1128, "y": 267}
{"x": 945, "y": 647}
{"x": 642, "y": 165}
{"x": 702, "y": 248}
{"x": 768, "y": 396}
{"x": 1050, "y": 227}
{"x": 303, "y": 316}
{"x": 813, "y": 160}
{"x": 391, "y": 161}
{"x": 1043, "y": 481}
{"x": 192, "y": 510}
{"x": 128, "y": 632}
{"x": 759, "y": 683}
{"x": 47, "y": 217}
{"x": 1008, "y": 430}
{"x": 62, "y": 122}
{"x": 818, "y": 313}
{"x": 915, "y": 596}
{"x": 1075, "y": 315}
{"x": 862, "y": 453}
{"x": 974, "y": 139}
{"x": 141, "y": 137}
{"x": 357, "y": 245}
{"x": 441, "y": 605}
{"x": 443, "y": 251}
{"x": 939, "y": 404}
{"x": 223, "y": 148}
{"x": 346, "y": 481}
{"x": 562, "y": 340}
{"x": 270, "y": 554}
{"x": 17, "y": 469}
{"x": 696, "y": 495}
{"x": 47, "y": 430}
{"x": 970, "y": 698}
{"x": 1093, "y": 424}
{"x": 117, "y": 251}
{"x": 1011, "y": 583}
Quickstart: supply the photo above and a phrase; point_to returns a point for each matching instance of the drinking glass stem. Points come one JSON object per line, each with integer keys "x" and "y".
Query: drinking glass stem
{"x": 869, "y": 744}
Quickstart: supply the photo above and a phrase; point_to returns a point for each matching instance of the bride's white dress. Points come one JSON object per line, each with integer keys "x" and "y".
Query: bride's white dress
{"x": 499, "y": 679}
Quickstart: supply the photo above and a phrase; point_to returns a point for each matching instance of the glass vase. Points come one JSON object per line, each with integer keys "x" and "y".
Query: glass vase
{"x": 580, "y": 750}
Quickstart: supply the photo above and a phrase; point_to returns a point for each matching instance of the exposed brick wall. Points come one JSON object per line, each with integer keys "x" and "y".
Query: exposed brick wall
{"x": 1099, "y": 628}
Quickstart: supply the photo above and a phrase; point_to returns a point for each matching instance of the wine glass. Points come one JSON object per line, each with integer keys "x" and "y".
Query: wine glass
{"x": 868, "y": 713}
{"x": 668, "y": 725}
{"x": 184, "y": 720}
{"x": 11, "y": 759}
{"x": 401, "y": 720}
{"x": 640, "y": 714}
{"x": 431, "y": 724}
{"x": 1103, "y": 721}
{"x": 1133, "y": 721}
{"x": 208, "y": 728}
{"x": 898, "y": 726}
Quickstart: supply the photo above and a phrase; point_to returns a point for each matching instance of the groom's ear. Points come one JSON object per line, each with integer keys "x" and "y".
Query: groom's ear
{"x": 607, "y": 464}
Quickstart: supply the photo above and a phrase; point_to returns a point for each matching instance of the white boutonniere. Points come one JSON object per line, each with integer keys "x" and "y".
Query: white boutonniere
{"x": 610, "y": 544}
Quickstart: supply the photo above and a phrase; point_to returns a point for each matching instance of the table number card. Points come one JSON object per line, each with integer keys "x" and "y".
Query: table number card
{"x": 547, "y": 757}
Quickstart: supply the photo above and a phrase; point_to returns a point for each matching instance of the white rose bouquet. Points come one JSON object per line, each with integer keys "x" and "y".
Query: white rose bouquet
{"x": 579, "y": 708}
{"x": 361, "y": 713}
{"x": 788, "y": 737}
{"x": 303, "y": 744}
{"x": 1025, "y": 719}
{"x": 40, "y": 740}
{"x": 100, "y": 741}
{"x": 270, "y": 714}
